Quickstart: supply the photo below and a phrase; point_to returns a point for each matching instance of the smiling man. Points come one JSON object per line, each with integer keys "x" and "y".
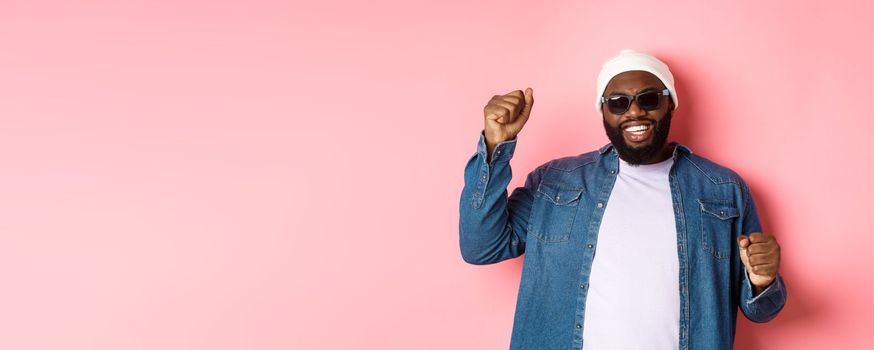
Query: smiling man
{"x": 641, "y": 244}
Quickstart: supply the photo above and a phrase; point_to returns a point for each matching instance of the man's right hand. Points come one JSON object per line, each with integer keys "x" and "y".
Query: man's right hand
{"x": 505, "y": 115}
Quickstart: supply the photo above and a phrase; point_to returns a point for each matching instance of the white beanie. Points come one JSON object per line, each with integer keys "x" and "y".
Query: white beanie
{"x": 629, "y": 60}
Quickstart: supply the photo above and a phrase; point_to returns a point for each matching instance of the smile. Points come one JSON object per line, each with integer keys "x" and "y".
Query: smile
{"x": 637, "y": 133}
{"x": 637, "y": 129}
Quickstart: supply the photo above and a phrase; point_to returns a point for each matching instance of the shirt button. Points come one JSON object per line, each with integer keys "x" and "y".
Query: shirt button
{"x": 498, "y": 152}
{"x": 589, "y": 245}
{"x": 579, "y": 326}
{"x": 484, "y": 177}
{"x": 600, "y": 205}
{"x": 583, "y": 285}
{"x": 557, "y": 198}
{"x": 612, "y": 171}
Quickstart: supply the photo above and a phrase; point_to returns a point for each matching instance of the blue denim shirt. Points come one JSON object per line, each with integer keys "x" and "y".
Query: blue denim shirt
{"x": 553, "y": 219}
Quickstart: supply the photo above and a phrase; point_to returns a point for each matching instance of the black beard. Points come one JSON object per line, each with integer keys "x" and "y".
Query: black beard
{"x": 640, "y": 155}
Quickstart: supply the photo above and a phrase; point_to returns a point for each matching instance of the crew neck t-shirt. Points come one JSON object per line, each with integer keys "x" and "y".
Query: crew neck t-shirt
{"x": 633, "y": 298}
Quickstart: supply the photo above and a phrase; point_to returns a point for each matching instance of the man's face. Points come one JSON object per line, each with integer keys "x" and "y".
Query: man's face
{"x": 623, "y": 130}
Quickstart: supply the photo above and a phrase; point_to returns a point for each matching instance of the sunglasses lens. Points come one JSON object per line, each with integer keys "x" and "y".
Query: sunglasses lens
{"x": 648, "y": 100}
{"x": 618, "y": 104}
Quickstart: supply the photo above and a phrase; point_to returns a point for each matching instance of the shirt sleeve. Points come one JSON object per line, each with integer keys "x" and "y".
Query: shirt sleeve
{"x": 492, "y": 225}
{"x": 766, "y": 305}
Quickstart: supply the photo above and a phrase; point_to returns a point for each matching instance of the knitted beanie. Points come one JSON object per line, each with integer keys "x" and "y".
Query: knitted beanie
{"x": 629, "y": 60}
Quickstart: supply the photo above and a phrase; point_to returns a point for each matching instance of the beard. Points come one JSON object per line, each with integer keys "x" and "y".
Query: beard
{"x": 640, "y": 155}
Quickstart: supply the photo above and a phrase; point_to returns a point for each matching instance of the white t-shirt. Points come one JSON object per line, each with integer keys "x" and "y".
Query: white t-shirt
{"x": 634, "y": 289}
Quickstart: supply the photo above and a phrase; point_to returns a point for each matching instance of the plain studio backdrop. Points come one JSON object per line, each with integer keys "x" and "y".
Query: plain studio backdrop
{"x": 274, "y": 175}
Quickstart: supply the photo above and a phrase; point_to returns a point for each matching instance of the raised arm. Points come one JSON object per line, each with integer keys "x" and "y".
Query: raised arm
{"x": 492, "y": 225}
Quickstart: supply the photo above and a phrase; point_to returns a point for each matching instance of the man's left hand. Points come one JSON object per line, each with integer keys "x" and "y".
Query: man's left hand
{"x": 760, "y": 255}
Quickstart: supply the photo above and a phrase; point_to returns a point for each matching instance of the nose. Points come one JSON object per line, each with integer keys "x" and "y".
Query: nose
{"x": 634, "y": 110}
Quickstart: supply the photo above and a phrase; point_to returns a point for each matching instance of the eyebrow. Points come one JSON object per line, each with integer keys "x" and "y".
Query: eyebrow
{"x": 640, "y": 92}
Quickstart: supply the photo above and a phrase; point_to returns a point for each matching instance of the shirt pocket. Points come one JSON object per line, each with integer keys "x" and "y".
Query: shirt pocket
{"x": 554, "y": 212}
{"x": 717, "y": 219}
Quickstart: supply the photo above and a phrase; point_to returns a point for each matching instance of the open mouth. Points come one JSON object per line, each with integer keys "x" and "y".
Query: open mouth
{"x": 637, "y": 133}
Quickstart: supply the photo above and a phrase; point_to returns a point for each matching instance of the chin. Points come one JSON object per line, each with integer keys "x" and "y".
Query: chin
{"x": 638, "y": 145}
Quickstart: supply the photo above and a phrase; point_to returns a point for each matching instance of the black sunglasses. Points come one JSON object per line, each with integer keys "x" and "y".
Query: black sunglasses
{"x": 650, "y": 100}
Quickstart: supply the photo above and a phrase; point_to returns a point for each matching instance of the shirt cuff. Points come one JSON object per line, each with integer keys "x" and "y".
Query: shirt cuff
{"x": 503, "y": 151}
{"x": 769, "y": 291}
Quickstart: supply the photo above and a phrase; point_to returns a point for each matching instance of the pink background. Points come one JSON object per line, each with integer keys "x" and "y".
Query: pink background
{"x": 266, "y": 175}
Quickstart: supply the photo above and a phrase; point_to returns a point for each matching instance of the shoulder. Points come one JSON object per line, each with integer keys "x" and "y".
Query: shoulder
{"x": 571, "y": 163}
{"x": 715, "y": 172}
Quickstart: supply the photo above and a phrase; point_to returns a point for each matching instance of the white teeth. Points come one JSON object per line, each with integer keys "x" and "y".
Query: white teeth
{"x": 637, "y": 129}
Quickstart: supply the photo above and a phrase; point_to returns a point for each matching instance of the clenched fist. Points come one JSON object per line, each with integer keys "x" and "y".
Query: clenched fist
{"x": 505, "y": 115}
{"x": 760, "y": 255}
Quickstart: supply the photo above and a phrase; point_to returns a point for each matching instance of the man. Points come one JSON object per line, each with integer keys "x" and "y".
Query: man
{"x": 641, "y": 244}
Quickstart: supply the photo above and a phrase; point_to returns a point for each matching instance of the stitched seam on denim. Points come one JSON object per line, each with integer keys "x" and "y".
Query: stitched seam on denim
{"x": 565, "y": 236}
{"x": 707, "y": 235}
{"x": 684, "y": 292}
{"x": 716, "y": 180}
{"x": 583, "y": 162}
{"x": 747, "y": 199}
{"x": 539, "y": 177}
